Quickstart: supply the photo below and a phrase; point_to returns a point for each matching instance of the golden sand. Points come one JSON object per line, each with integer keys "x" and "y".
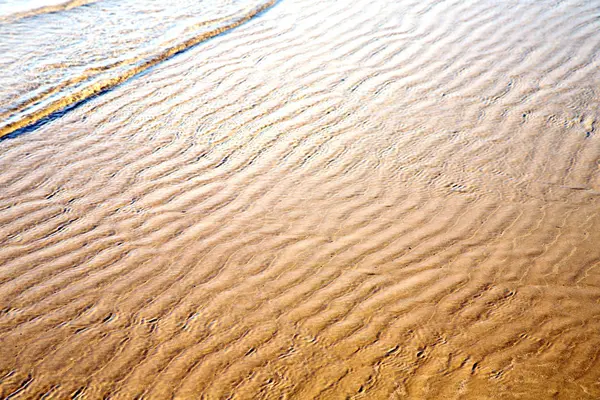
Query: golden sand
{"x": 336, "y": 200}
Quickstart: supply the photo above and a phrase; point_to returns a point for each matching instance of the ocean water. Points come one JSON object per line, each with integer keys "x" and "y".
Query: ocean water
{"x": 57, "y": 54}
{"x": 22, "y": 7}
{"x": 308, "y": 199}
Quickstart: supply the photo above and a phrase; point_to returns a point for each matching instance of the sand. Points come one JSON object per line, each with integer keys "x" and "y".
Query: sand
{"x": 335, "y": 200}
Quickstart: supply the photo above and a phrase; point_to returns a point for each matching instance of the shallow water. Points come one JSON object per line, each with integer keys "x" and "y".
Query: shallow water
{"x": 362, "y": 199}
{"x": 59, "y": 54}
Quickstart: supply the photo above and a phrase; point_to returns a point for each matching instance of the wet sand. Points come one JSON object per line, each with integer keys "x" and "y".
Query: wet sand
{"x": 363, "y": 199}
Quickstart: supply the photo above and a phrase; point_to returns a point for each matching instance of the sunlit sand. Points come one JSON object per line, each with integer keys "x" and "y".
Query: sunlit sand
{"x": 334, "y": 200}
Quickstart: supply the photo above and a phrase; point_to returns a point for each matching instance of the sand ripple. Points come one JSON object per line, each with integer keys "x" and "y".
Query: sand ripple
{"x": 362, "y": 199}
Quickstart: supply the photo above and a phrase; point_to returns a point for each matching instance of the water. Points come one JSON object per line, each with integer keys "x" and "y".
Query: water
{"x": 18, "y": 8}
{"x": 58, "y": 55}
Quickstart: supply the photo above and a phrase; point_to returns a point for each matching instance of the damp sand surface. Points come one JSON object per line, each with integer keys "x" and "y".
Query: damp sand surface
{"x": 363, "y": 199}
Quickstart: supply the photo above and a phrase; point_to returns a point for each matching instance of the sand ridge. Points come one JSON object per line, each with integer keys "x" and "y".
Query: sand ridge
{"x": 366, "y": 199}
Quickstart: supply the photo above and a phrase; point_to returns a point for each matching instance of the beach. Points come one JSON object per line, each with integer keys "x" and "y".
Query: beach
{"x": 302, "y": 199}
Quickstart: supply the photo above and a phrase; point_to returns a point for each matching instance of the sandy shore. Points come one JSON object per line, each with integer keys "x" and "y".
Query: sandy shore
{"x": 363, "y": 199}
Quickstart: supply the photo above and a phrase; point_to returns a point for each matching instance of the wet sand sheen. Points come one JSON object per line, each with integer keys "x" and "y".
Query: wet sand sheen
{"x": 365, "y": 199}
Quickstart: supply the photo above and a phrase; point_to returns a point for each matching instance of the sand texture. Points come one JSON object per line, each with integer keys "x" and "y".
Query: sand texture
{"x": 331, "y": 200}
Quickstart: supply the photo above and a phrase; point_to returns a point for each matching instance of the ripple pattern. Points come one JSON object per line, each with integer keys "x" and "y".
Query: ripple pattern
{"x": 362, "y": 199}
